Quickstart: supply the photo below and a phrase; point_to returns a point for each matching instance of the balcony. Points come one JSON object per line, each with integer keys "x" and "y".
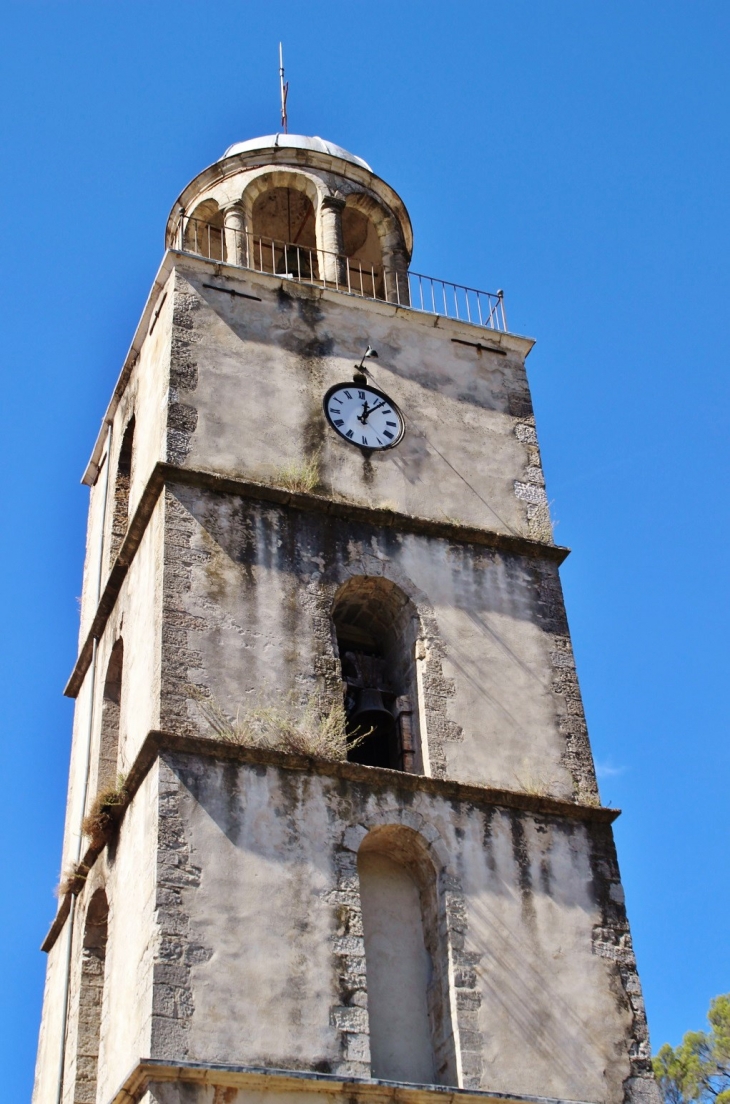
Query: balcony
{"x": 401, "y": 287}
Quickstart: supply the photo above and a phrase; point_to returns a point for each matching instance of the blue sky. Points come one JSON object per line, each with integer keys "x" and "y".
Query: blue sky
{"x": 575, "y": 154}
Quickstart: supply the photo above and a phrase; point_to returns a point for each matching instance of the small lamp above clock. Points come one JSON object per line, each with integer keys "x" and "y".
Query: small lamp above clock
{"x": 360, "y": 371}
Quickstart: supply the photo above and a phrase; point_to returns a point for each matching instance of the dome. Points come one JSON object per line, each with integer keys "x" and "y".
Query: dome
{"x": 296, "y": 141}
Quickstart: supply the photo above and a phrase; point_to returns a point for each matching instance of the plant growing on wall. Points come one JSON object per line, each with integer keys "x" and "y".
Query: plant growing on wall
{"x": 100, "y": 821}
{"x": 319, "y": 729}
{"x": 300, "y": 475}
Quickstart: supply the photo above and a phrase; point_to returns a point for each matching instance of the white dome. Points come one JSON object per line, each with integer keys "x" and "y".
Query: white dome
{"x": 296, "y": 141}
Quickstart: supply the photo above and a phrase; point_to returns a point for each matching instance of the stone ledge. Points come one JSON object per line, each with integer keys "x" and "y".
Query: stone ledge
{"x": 256, "y": 1079}
{"x": 375, "y": 777}
{"x": 394, "y": 519}
{"x": 158, "y": 742}
{"x": 163, "y": 474}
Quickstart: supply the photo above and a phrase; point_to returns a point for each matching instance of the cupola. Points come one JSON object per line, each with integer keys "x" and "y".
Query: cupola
{"x": 301, "y": 207}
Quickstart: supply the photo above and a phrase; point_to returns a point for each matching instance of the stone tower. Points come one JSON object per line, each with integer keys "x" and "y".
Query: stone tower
{"x": 341, "y": 836}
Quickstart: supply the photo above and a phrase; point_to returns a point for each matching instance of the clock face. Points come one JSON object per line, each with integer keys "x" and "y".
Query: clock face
{"x": 364, "y": 416}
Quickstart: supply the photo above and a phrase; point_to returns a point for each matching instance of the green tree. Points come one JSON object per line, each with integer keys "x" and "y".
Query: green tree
{"x": 699, "y": 1069}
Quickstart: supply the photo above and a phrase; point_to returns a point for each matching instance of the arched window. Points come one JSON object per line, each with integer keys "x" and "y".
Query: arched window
{"x": 407, "y": 977}
{"x": 110, "y": 716}
{"x": 284, "y": 233}
{"x": 376, "y": 626}
{"x": 120, "y": 517}
{"x": 91, "y": 993}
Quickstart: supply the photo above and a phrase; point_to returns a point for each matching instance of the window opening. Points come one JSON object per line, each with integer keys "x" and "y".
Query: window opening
{"x": 110, "y": 720}
{"x": 364, "y": 251}
{"x": 204, "y": 232}
{"x": 91, "y": 995}
{"x": 406, "y": 962}
{"x": 376, "y": 628}
{"x": 284, "y": 235}
{"x": 120, "y": 517}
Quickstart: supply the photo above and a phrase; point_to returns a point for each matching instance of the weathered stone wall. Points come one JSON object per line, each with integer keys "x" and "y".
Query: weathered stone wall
{"x": 133, "y": 939}
{"x": 45, "y": 1086}
{"x": 249, "y": 375}
{"x": 249, "y": 590}
{"x": 126, "y": 873}
{"x": 268, "y": 941}
{"x": 145, "y": 397}
{"x": 136, "y": 618}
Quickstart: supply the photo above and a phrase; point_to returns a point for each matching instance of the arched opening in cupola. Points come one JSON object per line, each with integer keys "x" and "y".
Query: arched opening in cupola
{"x": 203, "y": 233}
{"x": 363, "y": 248}
{"x": 376, "y": 627}
{"x": 284, "y": 233}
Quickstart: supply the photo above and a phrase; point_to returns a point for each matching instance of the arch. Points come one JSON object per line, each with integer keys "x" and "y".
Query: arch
{"x": 91, "y": 996}
{"x": 203, "y": 233}
{"x": 120, "y": 516}
{"x": 106, "y": 775}
{"x": 267, "y": 179}
{"x": 376, "y": 628}
{"x": 411, "y": 1035}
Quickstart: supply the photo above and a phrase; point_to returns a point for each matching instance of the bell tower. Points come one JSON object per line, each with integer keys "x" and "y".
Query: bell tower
{"x": 333, "y": 829}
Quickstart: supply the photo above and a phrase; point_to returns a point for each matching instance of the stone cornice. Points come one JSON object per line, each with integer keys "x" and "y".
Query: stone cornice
{"x": 255, "y": 1079}
{"x": 164, "y": 473}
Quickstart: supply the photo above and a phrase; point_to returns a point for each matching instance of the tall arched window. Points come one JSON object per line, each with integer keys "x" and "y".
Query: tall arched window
{"x": 411, "y": 1038}
{"x": 91, "y": 993}
{"x": 110, "y": 717}
{"x": 120, "y": 517}
{"x": 376, "y": 626}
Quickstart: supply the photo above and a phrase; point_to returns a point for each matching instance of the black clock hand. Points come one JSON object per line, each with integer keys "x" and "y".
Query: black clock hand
{"x": 376, "y": 407}
{"x": 367, "y": 412}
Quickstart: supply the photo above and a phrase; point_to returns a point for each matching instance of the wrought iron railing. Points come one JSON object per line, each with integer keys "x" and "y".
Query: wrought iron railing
{"x": 334, "y": 270}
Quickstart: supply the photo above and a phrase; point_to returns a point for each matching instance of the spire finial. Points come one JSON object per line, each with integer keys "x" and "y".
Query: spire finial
{"x": 284, "y": 91}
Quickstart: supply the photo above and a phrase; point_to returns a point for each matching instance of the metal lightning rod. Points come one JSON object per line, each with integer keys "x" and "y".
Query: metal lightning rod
{"x": 284, "y": 91}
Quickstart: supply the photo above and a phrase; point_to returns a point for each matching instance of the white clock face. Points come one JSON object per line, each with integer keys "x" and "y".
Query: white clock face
{"x": 364, "y": 416}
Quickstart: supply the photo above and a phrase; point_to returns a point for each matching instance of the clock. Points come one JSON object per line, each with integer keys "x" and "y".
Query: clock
{"x": 364, "y": 416}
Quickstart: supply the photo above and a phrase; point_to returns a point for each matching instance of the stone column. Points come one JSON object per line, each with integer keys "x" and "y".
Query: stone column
{"x": 234, "y": 223}
{"x": 332, "y": 267}
{"x": 395, "y": 266}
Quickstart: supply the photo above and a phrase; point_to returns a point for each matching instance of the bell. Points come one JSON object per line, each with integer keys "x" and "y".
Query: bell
{"x": 371, "y": 715}
{"x": 372, "y": 729}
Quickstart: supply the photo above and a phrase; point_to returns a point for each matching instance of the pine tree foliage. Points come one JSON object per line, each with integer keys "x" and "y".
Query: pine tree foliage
{"x": 698, "y": 1070}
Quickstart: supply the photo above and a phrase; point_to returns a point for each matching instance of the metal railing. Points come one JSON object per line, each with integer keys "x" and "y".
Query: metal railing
{"x": 388, "y": 284}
